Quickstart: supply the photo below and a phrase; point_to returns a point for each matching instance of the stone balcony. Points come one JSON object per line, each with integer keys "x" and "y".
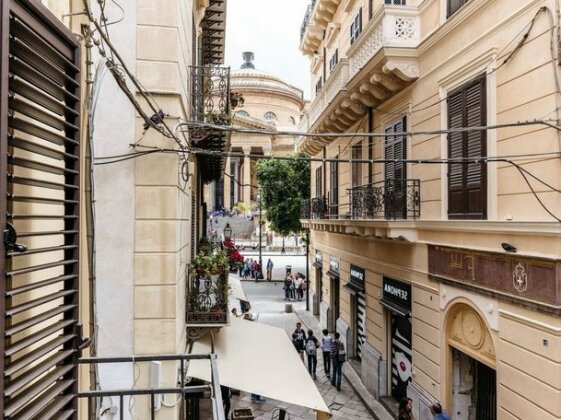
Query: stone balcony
{"x": 381, "y": 63}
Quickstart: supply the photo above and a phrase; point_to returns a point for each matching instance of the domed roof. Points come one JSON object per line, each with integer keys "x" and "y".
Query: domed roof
{"x": 250, "y": 77}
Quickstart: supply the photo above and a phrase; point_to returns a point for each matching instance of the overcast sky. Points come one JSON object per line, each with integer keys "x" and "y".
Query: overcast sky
{"x": 271, "y": 29}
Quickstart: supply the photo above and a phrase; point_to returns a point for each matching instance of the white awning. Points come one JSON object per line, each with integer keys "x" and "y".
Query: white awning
{"x": 259, "y": 359}
{"x": 236, "y": 289}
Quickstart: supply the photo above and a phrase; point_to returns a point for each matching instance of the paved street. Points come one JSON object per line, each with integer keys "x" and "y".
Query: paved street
{"x": 267, "y": 300}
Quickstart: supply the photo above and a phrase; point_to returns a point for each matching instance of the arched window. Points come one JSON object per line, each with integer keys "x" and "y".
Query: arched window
{"x": 242, "y": 113}
{"x": 270, "y": 116}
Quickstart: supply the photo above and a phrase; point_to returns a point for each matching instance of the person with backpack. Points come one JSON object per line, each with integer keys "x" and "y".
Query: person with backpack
{"x": 298, "y": 337}
{"x": 326, "y": 341}
{"x": 312, "y": 345}
{"x": 338, "y": 357}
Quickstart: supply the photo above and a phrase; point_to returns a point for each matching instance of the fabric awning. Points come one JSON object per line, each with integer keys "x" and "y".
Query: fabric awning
{"x": 259, "y": 359}
{"x": 353, "y": 288}
{"x": 394, "y": 307}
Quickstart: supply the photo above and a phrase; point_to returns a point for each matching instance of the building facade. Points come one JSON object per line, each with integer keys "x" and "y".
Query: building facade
{"x": 269, "y": 103}
{"x": 104, "y": 243}
{"x": 435, "y": 238}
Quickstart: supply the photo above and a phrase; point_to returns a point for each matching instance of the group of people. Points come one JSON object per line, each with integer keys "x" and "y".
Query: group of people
{"x": 405, "y": 410}
{"x": 250, "y": 268}
{"x": 332, "y": 348}
{"x": 294, "y": 287}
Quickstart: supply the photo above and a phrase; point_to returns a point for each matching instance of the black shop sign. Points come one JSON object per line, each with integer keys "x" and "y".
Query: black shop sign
{"x": 397, "y": 292}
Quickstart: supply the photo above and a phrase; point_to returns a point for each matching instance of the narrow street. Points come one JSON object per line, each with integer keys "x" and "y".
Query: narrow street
{"x": 267, "y": 300}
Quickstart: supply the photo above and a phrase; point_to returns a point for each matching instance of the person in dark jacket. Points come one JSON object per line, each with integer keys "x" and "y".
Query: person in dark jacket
{"x": 338, "y": 357}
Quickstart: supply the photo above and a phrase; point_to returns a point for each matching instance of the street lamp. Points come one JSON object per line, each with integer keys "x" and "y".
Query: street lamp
{"x": 227, "y": 232}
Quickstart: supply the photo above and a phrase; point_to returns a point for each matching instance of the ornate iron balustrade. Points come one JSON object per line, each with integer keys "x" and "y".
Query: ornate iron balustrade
{"x": 389, "y": 199}
{"x": 207, "y": 299}
{"x": 210, "y": 95}
{"x": 307, "y": 19}
{"x": 319, "y": 209}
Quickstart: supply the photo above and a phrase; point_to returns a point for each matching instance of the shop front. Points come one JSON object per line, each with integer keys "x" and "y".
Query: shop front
{"x": 396, "y": 299}
{"x": 334, "y": 293}
{"x": 356, "y": 288}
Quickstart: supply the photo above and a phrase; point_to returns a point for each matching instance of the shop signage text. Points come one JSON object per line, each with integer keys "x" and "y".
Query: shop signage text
{"x": 397, "y": 291}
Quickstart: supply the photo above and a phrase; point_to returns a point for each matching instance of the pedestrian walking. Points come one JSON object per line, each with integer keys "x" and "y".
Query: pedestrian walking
{"x": 438, "y": 413}
{"x": 326, "y": 341}
{"x": 312, "y": 345}
{"x": 269, "y": 269}
{"x": 298, "y": 337}
{"x": 298, "y": 287}
{"x": 258, "y": 273}
{"x": 292, "y": 288}
{"x": 338, "y": 357}
{"x": 287, "y": 283}
{"x": 404, "y": 410}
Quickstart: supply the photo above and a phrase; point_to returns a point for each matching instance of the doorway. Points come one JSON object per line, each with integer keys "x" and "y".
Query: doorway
{"x": 333, "y": 303}
{"x": 319, "y": 290}
{"x": 401, "y": 355}
{"x": 474, "y": 388}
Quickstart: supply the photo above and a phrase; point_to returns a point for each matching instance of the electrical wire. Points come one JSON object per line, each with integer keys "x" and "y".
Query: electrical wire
{"x": 376, "y": 134}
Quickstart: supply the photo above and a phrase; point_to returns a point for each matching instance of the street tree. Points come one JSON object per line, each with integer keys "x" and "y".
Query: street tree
{"x": 284, "y": 184}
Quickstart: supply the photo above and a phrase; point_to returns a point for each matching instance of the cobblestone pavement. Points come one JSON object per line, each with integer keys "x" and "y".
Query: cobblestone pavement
{"x": 267, "y": 300}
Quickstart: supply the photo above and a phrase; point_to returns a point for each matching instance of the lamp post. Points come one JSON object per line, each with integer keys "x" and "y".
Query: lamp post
{"x": 227, "y": 232}
{"x": 307, "y": 270}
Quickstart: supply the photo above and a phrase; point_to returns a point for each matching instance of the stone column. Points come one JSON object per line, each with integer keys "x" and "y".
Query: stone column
{"x": 247, "y": 176}
{"x": 227, "y": 185}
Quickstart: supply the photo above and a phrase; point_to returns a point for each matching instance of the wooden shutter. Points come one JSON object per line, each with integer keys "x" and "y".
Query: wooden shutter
{"x": 39, "y": 163}
{"x": 395, "y": 172}
{"x": 467, "y": 184}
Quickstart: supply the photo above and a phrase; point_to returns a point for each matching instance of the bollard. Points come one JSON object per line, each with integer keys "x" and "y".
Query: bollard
{"x": 288, "y": 307}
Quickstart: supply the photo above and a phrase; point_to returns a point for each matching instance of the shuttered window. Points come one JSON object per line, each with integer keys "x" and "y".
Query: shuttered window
{"x": 395, "y": 148}
{"x": 319, "y": 183}
{"x": 334, "y": 187}
{"x": 39, "y": 187}
{"x": 467, "y": 184}
{"x": 395, "y": 171}
{"x": 454, "y": 6}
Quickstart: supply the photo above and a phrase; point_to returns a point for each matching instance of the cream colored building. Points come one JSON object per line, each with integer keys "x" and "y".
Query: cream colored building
{"x": 147, "y": 212}
{"x": 437, "y": 252}
{"x": 269, "y": 104}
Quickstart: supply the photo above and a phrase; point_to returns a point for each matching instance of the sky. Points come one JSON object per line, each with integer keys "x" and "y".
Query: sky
{"x": 271, "y": 29}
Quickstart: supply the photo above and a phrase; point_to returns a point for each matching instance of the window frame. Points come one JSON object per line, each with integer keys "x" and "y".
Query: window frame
{"x": 482, "y": 214}
{"x": 449, "y": 11}
{"x": 356, "y": 27}
{"x": 334, "y": 60}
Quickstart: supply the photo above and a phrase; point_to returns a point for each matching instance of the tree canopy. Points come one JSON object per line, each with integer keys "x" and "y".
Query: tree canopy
{"x": 285, "y": 184}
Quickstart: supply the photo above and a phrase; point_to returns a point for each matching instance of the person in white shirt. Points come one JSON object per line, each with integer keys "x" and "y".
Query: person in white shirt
{"x": 298, "y": 287}
{"x": 326, "y": 341}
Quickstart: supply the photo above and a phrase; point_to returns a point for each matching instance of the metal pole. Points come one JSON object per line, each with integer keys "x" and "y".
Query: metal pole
{"x": 260, "y": 235}
{"x": 308, "y": 270}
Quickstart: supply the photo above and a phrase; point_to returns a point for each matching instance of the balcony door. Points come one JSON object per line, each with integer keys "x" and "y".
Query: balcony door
{"x": 395, "y": 171}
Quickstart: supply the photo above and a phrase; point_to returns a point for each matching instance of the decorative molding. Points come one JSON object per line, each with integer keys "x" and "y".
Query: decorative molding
{"x": 467, "y": 332}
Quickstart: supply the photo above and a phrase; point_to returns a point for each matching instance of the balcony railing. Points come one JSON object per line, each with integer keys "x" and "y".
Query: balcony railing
{"x": 391, "y": 199}
{"x": 307, "y": 19}
{"x": 391, "y": 26}
{"x": 210, "y": 104}
{"x": 188, "y": 391}
{"x": 210, "y": 94}
{"x": 207, "y": 299}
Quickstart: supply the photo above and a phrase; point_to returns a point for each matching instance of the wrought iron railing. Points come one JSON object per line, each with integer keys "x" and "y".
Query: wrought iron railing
{"x": 188, "y": 390}
{"x": 307, "y": 19}
{"x": 389, "y": 199}
{"x": 207, "y": 299}
{"x": 210, "y": 95}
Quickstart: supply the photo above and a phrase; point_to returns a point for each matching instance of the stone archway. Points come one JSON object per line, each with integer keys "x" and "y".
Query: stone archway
{"x": 471, "y": 367}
